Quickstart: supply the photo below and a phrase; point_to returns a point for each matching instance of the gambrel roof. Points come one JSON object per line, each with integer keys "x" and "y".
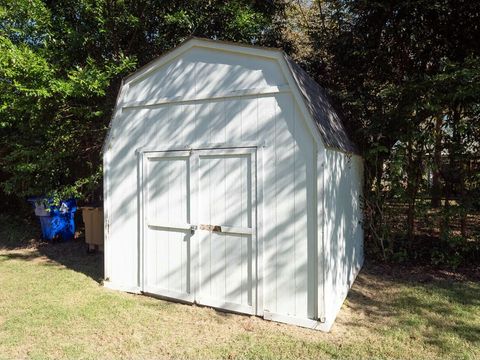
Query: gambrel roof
{"x": 326, "y": 119}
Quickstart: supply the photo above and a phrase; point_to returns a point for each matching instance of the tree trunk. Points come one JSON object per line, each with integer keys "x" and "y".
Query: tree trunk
{"x": 457, "y": 165}
{"x": 463, "y": 210}
{"x": 437, "y": 158}
{"x": 410, "y": 194}
{"x": 414, "y": 173}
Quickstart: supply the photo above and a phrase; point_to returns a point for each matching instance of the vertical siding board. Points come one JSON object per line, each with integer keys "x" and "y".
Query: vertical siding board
{"x": 245, "y": 214}
{"x": 222, "y": 220}
{"x": 202, "y": 122}
{"x": 218, "y": 214}
{"x": 233, "y": 111}
{"x": 285, "y": 180}
{"x": 217, "y": 120}
{"x": 189, "y": 120}
{"x": 155, "y": 236}
{"x": 249, "y": 119}
{"x": 168, "y": 269}
{"x": 330, "y": 268}
{"x": 234, "y": 201}
{"x": 173, "y": 130}
{"x": 267, "y": 121}
{"x": 176, "y": 239}
{"x": 149, "y": 126}
{"x": 303, "y": 149}
{"x": 320, "y": 238}
{"x": 151, "y": 236}
{"x": 147, "y": 244}
{"x": 208, "y": 216}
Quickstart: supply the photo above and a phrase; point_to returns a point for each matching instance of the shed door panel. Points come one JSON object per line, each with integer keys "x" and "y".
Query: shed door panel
{"x": 225, "y": 231}
{"x": 167, "y": 232}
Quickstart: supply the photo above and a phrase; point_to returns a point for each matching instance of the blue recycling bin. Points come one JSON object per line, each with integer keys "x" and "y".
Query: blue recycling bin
{"x": 56, "y": 221}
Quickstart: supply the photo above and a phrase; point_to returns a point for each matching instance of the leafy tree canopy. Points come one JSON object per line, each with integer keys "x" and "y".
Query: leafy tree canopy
{"x": 405, "y": 74}
{"x": 60, "y": 65}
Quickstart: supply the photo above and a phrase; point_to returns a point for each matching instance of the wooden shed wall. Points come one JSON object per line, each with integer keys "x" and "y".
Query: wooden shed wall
{"x": 152, "y": 116}
{"x": 343, "y": 232}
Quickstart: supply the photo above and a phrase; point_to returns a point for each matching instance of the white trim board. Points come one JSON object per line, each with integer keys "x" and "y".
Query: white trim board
{"x": 254, "y": 92}
{"x": 120, "y": 287}
{"x": 292, "y": 320}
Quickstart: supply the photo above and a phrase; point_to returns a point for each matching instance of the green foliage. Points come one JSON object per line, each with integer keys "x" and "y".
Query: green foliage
{"x": 25, "y": 21}
{"x": 52, "y": 118}
{"x": 60, "y": 67}
{"x": 406, "y": 75}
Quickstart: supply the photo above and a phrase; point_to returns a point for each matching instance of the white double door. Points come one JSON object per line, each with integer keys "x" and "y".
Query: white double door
{"x": 199, "y": 234}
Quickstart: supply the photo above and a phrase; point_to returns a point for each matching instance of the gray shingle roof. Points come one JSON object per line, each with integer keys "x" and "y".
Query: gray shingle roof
{"x": 328, "y": 121}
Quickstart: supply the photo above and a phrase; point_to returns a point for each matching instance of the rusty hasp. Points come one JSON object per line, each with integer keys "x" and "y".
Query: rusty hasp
{"x": 213, "y": 228}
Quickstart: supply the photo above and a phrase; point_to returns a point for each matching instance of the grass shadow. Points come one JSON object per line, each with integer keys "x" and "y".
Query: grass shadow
{"x": 439, "y": 307}
{"x": 18, "y": 235}
{"x": 73, "y": 255}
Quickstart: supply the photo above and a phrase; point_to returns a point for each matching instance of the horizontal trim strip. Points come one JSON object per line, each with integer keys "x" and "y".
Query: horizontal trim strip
{"x": 225, "y": 229}
{"x": 171, "y": 154}
{"x": 167, "y": 294}
{"x": 225, "y": 305}
{"x": 177, "y": 227}
{"x": 180, "y": 100}
{"x": 298, "y": 321}
{"x": 122, "y": 287}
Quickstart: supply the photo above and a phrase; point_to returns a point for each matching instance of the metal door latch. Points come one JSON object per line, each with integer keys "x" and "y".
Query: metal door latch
{"x": 213, "y": 228}
{"x": 192, "y": 229}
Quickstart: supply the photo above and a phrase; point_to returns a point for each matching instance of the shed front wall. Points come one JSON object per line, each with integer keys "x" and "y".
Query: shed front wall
{"x": 273, "y": 122}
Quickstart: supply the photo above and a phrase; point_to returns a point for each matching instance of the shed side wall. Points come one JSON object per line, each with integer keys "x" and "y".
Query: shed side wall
{"x": 343, "y": 232}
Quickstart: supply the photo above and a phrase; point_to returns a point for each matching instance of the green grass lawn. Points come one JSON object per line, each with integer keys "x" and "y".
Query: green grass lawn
{"x": 52, "y": 305}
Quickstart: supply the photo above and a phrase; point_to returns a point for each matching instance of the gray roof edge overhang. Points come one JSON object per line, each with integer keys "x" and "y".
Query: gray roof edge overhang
{"x": 319, "y": 105}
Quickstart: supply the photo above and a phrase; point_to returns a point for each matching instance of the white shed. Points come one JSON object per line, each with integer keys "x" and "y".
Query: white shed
{"x": 229, "y": 181}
